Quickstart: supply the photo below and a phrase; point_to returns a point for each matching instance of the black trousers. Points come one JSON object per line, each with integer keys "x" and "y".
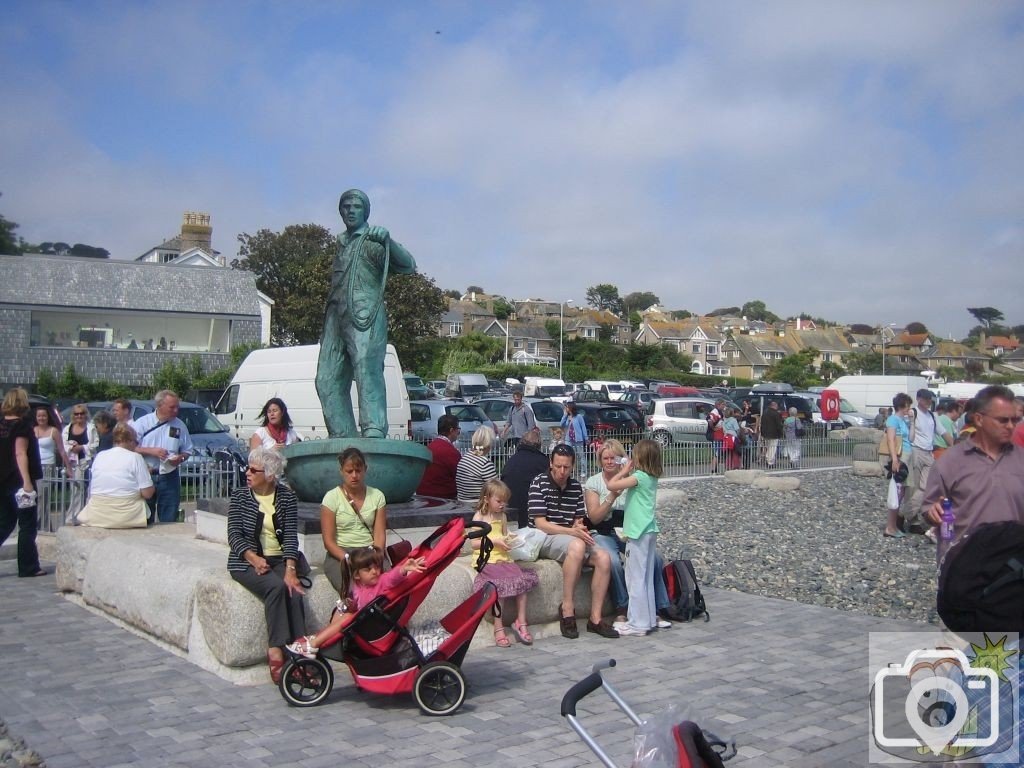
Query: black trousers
{"x": 25, "y": 519}
{"x": 286, "y": 614}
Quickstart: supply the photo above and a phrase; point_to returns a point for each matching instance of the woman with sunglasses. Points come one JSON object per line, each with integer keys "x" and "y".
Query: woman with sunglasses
{"x": 51, "y": 449}
{"x": 264, "y": 550}
{"x": 80, "y": 442}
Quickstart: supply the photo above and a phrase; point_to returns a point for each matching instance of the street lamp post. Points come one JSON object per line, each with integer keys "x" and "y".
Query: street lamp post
{"x": 561, "y": 323}
{"x": 882, "y": 334}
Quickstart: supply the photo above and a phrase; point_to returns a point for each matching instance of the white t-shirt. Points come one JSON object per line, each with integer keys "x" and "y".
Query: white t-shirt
{"x": 119, "y": 472}
{"x": 268, "y": 441}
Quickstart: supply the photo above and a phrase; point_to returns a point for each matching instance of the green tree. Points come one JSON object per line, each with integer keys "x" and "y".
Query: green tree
{"x": 796, "y": 369}
{"x": 415, "y": 305}
{"x": 756, "y": 310}
{"x": 680, "y": 314}
{"x": 724, "y": 311}
{"x": 639, "y": 300}
{"x": 293, "y": 268}
{"x": 864, "y": 363}
{"x": 451, "y": 293}
{"x": 829, "y": 371}
{"x": 474, "y": 289}
{"x": 862, "y": 329}
{"x": 604, "y": 296}
{"x": 8, "y": 242}
{"x": 987, "y": 316}
{"x": 503, "y": 308}
{"x": 916, "y": 327}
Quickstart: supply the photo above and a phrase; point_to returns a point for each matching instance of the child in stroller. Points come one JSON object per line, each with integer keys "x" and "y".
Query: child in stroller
{"x": 362, "y": 580}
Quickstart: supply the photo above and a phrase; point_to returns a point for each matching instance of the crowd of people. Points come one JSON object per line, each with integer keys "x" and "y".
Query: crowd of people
{"x": 969, "y": 454}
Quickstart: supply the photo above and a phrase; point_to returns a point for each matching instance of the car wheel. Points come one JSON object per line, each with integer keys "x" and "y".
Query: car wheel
{"x": 662, "y": 438}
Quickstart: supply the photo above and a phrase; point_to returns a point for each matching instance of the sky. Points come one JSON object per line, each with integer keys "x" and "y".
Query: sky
{"x": 862, "y": 162}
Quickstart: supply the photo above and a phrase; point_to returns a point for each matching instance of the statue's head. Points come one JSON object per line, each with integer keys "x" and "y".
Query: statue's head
{"x": 348, "y": 206}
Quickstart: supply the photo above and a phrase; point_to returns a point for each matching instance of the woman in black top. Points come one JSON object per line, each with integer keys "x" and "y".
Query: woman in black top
{"x": 264, "y": 550}
{"x": 20, "y": 468}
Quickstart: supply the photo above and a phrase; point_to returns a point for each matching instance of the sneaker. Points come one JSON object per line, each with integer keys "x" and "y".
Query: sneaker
{"x": 304, "y": 647}
{"x": 630, "y": 631}
{"x": 617, "y": 625}
{"x": 662, "y": 624}
{"x": 602, "y": 628}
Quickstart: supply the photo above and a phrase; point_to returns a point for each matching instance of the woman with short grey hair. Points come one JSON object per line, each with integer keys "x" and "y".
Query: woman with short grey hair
{"x": 263, "y": 524}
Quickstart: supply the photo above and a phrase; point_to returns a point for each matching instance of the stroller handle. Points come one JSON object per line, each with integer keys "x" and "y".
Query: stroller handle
{"x": 477, "y": 529}
{"x": 584, "y": 688}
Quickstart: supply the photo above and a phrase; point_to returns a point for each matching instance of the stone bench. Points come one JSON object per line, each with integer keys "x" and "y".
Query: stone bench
{"x": 173, "y": 588}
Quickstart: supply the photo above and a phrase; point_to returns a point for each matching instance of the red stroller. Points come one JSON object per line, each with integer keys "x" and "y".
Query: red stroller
{"x": 381, "y": 652}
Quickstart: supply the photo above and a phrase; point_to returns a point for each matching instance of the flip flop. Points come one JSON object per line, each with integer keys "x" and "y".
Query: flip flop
{"x": 897, "y": 535}
{"x": 499, "y": 638}
{"x": 276, "y": 665}
{"x": 522, "y": 633}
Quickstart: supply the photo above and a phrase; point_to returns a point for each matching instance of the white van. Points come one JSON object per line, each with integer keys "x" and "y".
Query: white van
{"x": 613, "y": 389}
{"x": 466, "y": 386}
{"x": 869, "y": 393}
{"x": 290, "y": 374}
{"x": 961, "y": 390}
{"x": 537, "y": 386}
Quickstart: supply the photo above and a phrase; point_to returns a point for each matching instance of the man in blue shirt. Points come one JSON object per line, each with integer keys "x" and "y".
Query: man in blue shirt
{"x": 165, "y": 444}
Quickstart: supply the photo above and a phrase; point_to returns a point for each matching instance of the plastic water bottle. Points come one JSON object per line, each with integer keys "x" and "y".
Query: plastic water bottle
{"x": 947, "y": 521}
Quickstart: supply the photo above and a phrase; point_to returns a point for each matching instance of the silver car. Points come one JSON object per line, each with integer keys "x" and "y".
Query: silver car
{"x": 425, "y": 413}
{"x": 680, "y": 419}
{"x": 548, "y": 413}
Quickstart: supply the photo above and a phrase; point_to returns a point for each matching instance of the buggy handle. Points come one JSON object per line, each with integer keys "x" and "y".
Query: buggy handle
{"x": 584, "y": 688}
{"x": 477, "y": 529}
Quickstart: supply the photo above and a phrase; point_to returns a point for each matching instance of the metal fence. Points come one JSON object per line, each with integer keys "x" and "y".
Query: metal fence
{"x": 696, "y": 457}
{"x": 61, "y": 497}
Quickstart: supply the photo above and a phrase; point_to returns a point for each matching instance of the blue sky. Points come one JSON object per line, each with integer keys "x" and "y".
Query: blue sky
{"x": 859, "y": 161}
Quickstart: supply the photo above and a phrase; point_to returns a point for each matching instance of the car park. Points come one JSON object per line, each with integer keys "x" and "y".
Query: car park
{"x": 416, "y": 387}
{"x": 425, "y": 413}
{"x": 207, "y": 433}
{"x": 547, "y": 413}
{"x": 783, "y": 394}
{"x": 816, "y": 415}
{"x": 680, "y": 419}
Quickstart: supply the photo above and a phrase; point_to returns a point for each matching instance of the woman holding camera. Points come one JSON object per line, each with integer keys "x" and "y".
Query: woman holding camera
{"x": 899, "y": 438}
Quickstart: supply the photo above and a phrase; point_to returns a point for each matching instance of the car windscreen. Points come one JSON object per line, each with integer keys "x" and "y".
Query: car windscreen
{"x": 547, "y": 411}
{"x": 413, "y": 381}
{"x": 466, "y": 413}
{"x": 845, "y": 406}
{"x": 473, "y": 389}
{"x": 200, "y": 421}
{"x": 550, "y": 391}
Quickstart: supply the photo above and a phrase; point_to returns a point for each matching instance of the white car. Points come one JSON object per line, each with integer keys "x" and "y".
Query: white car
{"x": 547, "y": 413}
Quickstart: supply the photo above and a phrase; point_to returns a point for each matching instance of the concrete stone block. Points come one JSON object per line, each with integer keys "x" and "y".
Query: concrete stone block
{"x": 868, "y": 469}
{"x": 865, "y": 452}
{"x": 777, "y": 483}
{"x": 74, "y": 549}
{"x": 743, "y": 476}
{"x": 149, "y": 580}
{"x": 864, "y": 434}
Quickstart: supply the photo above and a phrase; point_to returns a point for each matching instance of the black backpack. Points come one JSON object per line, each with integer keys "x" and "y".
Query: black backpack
{"x": 687, "y": 603}
{"x": 981, "y": 580}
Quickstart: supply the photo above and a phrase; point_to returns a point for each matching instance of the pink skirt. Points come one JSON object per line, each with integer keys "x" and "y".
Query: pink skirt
{"x": 508, "y": 578}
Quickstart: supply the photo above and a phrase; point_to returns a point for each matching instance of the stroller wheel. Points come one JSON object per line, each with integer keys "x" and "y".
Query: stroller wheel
{"x": 306, "y": 682}
{"x": 440, "y": 688}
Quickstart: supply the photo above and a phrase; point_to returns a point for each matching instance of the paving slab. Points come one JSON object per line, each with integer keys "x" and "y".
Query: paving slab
{"x": 789, "y": 681}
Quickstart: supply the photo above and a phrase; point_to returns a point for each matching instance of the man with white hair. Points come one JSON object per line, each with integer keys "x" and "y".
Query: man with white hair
{"x": 165, "y": 444}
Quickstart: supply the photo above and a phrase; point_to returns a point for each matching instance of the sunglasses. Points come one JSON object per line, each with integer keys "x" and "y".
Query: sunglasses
{"x": 1004, "y": 420}
{"x": 253, "y": 470}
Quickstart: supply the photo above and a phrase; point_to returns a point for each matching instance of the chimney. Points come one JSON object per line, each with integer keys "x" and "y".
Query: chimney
{"x": 196, "y": 231}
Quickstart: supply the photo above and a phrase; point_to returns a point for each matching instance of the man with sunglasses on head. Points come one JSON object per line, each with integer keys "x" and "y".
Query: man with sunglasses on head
{"x": 983, "y": 476}
{"x": 165, "y": 444}
{"x": 557, "y": 508}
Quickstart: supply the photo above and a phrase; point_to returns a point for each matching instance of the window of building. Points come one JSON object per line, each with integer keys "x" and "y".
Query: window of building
{"x": 129, "y": 330}
{"x": 455, "y": 329}
{"x": 696, "y": 349}
{"x": 826, "y": 357}
{"x": 712, "y": 350}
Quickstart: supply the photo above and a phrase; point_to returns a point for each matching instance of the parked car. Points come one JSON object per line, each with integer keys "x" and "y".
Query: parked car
{"x": 816, "y": 415}
{"x": 590, "y": 396}
{"x": 207, "y": 433}
{"x": 852, "y": 417}
{"x": 675, "y": 390}
{"x": 641, "y": 398}
{"x": 783, "y": 394}
{"x": 425, "y": 413}
{"x": 548, "y": 413}
{"x": 680, "y": 419}
{"x": 610, "y": 420}
{"x": 437, "y": 385}
{"x": 416, "y": 387}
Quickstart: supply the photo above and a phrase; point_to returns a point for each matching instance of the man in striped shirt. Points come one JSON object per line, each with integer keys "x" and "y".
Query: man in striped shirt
{"x": 556, "y": 507}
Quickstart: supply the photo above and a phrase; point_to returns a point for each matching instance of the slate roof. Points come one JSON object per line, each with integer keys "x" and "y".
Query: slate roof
{"x": 64, "y": 281}
{"x": 684, "y": 329}
{"x": 952, "y": 350}
{"x": 822, "y": 339}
